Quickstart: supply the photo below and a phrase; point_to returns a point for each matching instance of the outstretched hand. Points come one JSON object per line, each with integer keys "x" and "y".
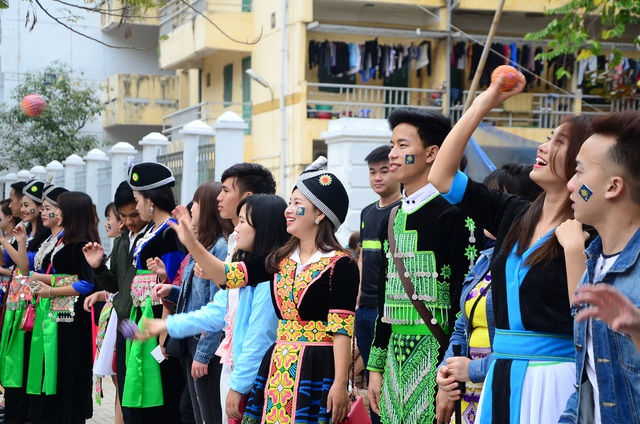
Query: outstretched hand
{"x": 94, "y": 254}
{"x": 492, "y": 96}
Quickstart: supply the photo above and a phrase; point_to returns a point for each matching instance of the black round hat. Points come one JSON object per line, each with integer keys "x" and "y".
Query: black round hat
{"x": 52, "y": 192}
{"x": 325, "y": 191}
{"x": 34, "y": 190}
{"x": 149, "y": 175}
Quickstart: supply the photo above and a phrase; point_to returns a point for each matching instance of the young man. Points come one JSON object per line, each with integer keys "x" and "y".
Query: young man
{"x": 238, "y": 181}
{"x": 15, "y": 196}
{"x": 118, "y": 276}
{"x": 436, "y": 243}
{"x": 373, "y": 224}
{"x": 605, "y": 192}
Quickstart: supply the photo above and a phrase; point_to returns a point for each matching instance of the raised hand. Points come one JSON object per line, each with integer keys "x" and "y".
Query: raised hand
{"x": 156, "y": 266}
{"x": 184, "y": 228}
{"x": 94, "y": 254}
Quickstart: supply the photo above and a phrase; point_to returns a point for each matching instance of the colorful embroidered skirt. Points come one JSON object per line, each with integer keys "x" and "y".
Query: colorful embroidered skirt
{"x": 294, "y": 378}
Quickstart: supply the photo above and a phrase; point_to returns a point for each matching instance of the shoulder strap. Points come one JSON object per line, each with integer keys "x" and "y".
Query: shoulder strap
{"x": 424, "y": 313}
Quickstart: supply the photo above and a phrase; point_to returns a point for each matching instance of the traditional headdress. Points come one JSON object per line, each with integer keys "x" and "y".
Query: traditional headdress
{"x": 325, "y": 191}
{"x": 149, "y": 175}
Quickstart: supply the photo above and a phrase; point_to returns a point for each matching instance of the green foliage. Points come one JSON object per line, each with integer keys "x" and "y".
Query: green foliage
{"x": 55, "y": 134}
{"x": 585, "y": 24}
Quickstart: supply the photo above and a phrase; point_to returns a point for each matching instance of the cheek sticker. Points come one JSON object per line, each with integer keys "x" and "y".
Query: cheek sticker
{"x": 300, "y": 211}
{"x": 108, "y": 226}
{"x": 32, "y": 211}
{"x": 52, "y": 215}
{"x": 585, "y": 192}
{"x": 409, "y": 159}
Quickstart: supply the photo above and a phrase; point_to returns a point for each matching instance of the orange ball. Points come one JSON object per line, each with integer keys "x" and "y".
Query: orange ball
{"x": 33, "y": 104}
{"x": 510, "y": 77}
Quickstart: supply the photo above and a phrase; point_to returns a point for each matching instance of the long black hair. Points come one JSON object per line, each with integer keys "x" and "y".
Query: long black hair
{"x": 265, "y": 213}
{"x": 78, "y": 218}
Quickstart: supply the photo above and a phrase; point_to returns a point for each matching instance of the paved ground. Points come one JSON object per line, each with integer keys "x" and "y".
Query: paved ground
{"x": 105, "y": 413}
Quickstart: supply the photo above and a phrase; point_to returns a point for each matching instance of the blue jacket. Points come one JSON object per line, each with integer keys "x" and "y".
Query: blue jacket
{"x": 254, "y": 329}
{"x": 477, "y": 368}
{"x": 193, "y": 294}
{"x": 617, "y": 359}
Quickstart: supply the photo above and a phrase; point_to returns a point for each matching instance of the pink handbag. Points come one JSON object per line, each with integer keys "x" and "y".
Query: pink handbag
{"x": 29, "y": 318}
{"x": 358, "y": 414}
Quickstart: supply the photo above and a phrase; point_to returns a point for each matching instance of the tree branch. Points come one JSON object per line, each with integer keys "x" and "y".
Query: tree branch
{"x": 109, "y": 12}
{"x": 59, "y": 21}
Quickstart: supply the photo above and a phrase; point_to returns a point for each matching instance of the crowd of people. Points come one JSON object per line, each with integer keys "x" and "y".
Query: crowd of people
{"x": 514, "y": 300}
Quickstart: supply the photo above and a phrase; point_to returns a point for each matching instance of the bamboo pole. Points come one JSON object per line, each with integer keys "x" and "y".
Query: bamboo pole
{"x": 485, "y": 54}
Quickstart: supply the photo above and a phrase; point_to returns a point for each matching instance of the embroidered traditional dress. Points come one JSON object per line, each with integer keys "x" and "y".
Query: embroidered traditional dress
{"x": 479, "y": 345}
{"x": 313, "y": 301}
{"x": 144, "y": 375}
{"x": 436, "y": 243}
{"x": 533, "y": 371}
{"x": 72, "y": 401}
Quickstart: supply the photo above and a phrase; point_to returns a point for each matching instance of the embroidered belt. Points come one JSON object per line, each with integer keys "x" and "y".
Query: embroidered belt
{"x": 533, "y": 346}
{"x": 304, "y": 332}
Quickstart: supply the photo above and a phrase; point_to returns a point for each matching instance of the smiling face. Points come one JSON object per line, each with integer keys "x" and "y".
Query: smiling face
{"x": 409, "y": 160}
{"x": 48, "y": 215}
{"x": 549, "y": 169}
{"x": 29, "y": 210}
{"x": 301, "y": 215}
{"x": 112, "y": 225}
{"x": 245, "y": 233}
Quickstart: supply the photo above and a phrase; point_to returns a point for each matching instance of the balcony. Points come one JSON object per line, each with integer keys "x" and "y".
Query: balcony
{"x": 111, "y": 12}
{"x": 138, "y": 99}
{"x": 207, "y": 112}
{"x": 534, "y": 110}
{"x": 187, "y": 33}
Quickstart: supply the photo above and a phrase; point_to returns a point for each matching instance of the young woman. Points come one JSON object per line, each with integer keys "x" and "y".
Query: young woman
{"x": 314, "y": 289}
{"x": 15, "y": 345}
{"x": 7, "y": 224}
{"x": 68, "y": 278}
{"x": 261, "y": 229}
{"x": 533, "y": 371}
{"x": 103, "y": 364}
{"x": 194, "y": 293}
{"x": 475, "y": 328}
{"x": 152, "y": 190}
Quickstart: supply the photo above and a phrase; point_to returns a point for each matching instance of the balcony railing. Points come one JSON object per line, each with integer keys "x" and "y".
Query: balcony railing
{"x": 325, "y": 101}
{"x": 207, "y": 112}
{"x": 540, "y": 110}
{"x": 177, "y": 12}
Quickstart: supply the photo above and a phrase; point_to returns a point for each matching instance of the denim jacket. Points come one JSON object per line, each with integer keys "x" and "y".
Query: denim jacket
{"x": 617, "y": 360}
{"x": 477, "y": 368}
{"x": 193, "y": 294}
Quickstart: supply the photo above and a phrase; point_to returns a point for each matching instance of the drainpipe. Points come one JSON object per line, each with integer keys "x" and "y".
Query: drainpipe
{"x": 284, "y": 190}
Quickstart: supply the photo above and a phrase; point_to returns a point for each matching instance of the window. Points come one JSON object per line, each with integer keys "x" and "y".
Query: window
{"x": 227, "y": 81}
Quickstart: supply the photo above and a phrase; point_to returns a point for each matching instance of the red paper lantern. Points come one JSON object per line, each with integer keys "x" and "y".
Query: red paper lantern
{"x": 33, "y": 104}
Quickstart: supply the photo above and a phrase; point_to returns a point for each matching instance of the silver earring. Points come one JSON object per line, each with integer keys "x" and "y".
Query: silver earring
{"x": 317, "y": 221}
{"x": 150, "y": 210}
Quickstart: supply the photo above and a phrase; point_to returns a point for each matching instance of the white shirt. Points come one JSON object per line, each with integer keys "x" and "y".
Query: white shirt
{"x": 413, "y": 202}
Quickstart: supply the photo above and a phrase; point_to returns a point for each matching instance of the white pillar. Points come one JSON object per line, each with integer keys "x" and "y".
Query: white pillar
{"x": 39, "y": 172}
{"x": 119, "y": 153}
{"x": 23, "y": 175}
{"x": 349, "y": 141}
{"x": 151, "y": 144}
{"x": 56, "y": 169}
{"x": 71, "y": 165}
{"x": 93, "y": 159}
{"x": 194, "y": 132}
{"x": 229, "y": 142}
{"x": 9, "y": 179}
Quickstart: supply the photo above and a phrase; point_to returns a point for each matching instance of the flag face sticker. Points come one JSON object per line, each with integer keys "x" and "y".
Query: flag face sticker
{"x": 300, "y": 211}
{"x": 52, "y": 215}
{"x": 410, "y": 159}
{"x": 585, "y": 192}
